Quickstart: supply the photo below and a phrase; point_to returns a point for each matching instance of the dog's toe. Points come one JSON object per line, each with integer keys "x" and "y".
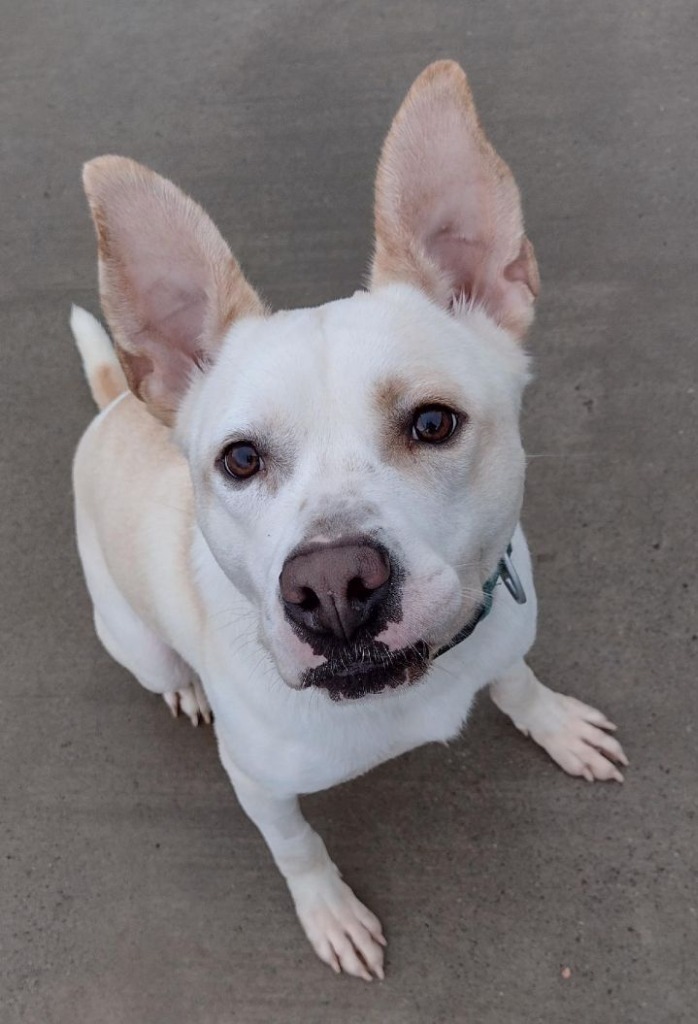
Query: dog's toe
{"x": 191, "y": 700}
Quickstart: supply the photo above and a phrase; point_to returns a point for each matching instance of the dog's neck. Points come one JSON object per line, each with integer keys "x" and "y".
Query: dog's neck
{"x": 504, "y": 573}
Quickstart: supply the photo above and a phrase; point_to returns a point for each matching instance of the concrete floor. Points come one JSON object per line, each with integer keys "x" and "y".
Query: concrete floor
{"x": 133, "y": 889}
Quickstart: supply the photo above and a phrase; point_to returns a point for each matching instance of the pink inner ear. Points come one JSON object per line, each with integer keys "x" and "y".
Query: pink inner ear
{"x": 174, "y": 308}
{"x": 463, "y": 260}
{"x": 453, "y": 223}
{"x": 172, "y": 317}
{"x": 444, "y": 194}
{"x": 169, "y": 283}
{"x": 458, "y": 211}
{"x": 156, "y": 242}
{"x": 168, "y": 316}
{"x": 161, "y": 260}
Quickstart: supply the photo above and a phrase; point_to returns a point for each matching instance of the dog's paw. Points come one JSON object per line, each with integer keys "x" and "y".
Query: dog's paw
{"x": 341, "y": 930}
{"x": 191, "y": 701}
{"x": 575, "y": 735}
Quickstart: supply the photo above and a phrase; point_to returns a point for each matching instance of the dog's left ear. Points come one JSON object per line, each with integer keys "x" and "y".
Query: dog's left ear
{"x": 448, "y": 215}
{"x": 169, "y": 284}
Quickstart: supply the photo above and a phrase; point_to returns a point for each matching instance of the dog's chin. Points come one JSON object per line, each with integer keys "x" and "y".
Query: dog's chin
{"x": 368, "y": 670}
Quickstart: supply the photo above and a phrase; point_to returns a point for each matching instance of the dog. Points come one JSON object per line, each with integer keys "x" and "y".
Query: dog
{"x": 306, "y": 523}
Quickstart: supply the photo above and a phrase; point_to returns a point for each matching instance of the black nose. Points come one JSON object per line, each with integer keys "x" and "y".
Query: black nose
{"x": 334, "y": 589}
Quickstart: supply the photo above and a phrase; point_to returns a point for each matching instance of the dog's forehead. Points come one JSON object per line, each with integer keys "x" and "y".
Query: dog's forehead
{"x": 363, "y": 335}
{"x": 339, "y": 357}
{"x": 367, "y": 332}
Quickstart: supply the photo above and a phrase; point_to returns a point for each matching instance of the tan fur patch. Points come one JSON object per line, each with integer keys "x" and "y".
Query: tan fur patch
{"x": 106, "y": 383}
{"x": 389, "y": 394}
{"x": 395, "y": 399}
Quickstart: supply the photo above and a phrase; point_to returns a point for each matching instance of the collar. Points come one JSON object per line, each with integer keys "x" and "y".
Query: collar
{"x": 504, "y": 573}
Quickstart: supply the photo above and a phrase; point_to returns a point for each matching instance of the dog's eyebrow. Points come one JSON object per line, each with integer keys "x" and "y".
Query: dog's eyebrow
{"x": 399, "y": 394}
{"x": 388, "y": 393}
{"x": 265, "y": 432}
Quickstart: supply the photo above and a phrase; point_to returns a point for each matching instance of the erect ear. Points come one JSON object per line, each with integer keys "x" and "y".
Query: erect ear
{"x": 169, "y": 284}
{"x": 448, "y": 215}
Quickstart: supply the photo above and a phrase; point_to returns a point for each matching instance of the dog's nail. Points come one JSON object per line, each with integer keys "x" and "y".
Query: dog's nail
{"x": 172, "y": 703}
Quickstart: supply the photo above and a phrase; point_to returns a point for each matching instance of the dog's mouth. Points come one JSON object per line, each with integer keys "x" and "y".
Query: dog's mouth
{"x": 368, "y": 669}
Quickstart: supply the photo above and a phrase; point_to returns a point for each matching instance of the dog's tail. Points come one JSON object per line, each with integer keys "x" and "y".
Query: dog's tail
{"x": 104, "y": 375}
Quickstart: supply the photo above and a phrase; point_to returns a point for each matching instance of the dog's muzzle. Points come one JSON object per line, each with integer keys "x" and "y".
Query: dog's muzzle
{"x": 338, "y": 597}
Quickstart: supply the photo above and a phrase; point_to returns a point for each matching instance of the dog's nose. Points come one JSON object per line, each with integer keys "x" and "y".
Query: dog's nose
{"x": 336, "y": 588}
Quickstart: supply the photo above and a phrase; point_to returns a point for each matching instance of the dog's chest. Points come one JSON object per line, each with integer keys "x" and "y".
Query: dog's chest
{"x": 317, "y": 743}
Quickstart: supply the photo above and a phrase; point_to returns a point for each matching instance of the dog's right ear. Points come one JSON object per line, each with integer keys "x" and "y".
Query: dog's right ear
{"x": 169, "y": 285}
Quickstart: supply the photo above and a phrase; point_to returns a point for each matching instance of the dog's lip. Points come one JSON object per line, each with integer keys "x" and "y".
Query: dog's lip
{"x": 357, "y": 668}
{"x": 370, "y": 672}
{"x": 370, "y": 661}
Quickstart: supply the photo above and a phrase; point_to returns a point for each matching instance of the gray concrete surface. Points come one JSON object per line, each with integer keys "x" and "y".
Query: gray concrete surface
{"x": 133, "y": 890}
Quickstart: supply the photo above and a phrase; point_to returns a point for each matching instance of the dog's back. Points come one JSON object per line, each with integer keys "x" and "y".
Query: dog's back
{"x": 133, "y": 500}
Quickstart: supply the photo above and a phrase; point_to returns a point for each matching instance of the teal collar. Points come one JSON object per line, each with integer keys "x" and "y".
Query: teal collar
{"x": 504, "y": 573}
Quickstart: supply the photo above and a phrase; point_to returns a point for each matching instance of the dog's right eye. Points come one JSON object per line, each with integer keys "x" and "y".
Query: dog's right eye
{"x": 241, "y": 460}
{"x": 434, "y": 424}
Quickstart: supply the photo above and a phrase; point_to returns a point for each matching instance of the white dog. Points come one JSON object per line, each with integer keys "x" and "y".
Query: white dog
{"x": 307, "y": 520}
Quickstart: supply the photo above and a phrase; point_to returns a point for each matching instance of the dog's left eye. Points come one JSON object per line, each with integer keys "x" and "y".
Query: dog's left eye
{"x": 241, "y": 460}
{"x": 434, "y": 424}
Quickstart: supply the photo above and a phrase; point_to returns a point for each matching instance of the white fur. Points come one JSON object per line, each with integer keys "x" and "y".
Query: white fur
{"x": 315, "y": 369}
{"x": 184, "y": 564}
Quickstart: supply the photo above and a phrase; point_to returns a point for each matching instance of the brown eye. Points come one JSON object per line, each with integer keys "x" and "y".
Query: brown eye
{"x": 433, "y": 424}
{"x": 241, "y": 460}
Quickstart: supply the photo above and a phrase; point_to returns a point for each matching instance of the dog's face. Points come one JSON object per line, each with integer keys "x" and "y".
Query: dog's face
{"x": 367, "y": 449}
{"x": 357, "y": 467}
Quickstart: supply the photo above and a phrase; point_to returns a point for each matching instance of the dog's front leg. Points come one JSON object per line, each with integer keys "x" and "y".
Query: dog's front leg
{"x": 575, "y": 735}
{"x": 342, "y": 931}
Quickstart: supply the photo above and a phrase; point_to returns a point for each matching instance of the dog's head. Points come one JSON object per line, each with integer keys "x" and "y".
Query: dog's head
{"x": 357, "y": 467}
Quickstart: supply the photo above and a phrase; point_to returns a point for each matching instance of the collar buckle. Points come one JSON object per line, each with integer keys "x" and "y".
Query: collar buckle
{"x": 510, "y": 578}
